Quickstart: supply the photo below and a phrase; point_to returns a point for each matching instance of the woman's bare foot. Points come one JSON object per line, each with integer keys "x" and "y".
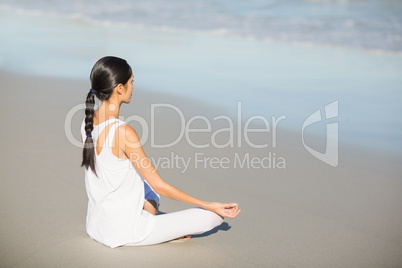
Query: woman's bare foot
{"x": 181, "y": 239}
{"x": 184, "y": 238}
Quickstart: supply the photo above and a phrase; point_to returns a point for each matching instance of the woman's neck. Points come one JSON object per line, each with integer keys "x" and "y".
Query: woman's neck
{"x": 107, "y": 110}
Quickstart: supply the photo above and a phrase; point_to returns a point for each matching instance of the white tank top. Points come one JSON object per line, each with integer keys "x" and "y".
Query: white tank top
{"x": 115, "y": 213}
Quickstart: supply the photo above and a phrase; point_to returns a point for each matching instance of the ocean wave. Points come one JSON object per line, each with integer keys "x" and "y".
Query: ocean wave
{"x": 378, "y": 36}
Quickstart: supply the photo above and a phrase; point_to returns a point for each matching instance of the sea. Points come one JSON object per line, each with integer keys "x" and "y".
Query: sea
{"x": 286, "y": 58}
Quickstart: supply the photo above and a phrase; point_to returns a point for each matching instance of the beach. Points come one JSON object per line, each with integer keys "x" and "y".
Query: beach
{"x": 289, "y": 108}
{"x": 303, "y": 214}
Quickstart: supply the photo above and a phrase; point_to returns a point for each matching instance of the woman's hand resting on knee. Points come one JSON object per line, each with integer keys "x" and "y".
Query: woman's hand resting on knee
{"x": 228, "y": 210}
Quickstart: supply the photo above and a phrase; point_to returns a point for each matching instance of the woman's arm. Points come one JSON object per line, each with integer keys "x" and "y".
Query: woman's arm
{"x": 133, "y": 150}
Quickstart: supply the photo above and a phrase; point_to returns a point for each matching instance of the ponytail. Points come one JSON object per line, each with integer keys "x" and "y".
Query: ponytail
{"x": 107, "y": 73}
{"x": 88, "y": 154}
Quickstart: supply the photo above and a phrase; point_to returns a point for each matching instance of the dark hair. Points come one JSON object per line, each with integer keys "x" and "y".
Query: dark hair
{"x": 107, "y": 73}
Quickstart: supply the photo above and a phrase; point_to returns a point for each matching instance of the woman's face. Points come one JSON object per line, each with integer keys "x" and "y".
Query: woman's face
{"x": 129, "y": 90}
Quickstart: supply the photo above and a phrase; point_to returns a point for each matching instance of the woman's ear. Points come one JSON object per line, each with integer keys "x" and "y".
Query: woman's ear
{"x": 120, "y": 89}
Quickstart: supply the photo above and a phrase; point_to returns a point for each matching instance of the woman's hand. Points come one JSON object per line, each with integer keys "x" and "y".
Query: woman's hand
{"x": 228, "y": 210}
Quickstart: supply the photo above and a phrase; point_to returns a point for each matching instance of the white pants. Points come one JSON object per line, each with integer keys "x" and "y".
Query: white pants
{"x": 177, "y": 224}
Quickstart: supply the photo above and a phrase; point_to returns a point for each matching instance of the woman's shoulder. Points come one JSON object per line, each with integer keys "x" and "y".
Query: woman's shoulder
{"x": 120, "y": 122}
{"x": 127, "y": 133}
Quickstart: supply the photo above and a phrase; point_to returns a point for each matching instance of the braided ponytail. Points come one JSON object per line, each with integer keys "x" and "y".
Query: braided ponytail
{"x": 107, "y": 73}
{"x": 88, "y": 154}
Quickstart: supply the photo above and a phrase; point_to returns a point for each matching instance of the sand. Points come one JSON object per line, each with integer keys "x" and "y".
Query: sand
{"x": 308, "y": 214}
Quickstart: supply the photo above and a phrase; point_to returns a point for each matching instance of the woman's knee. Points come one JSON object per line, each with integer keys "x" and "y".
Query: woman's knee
{"x": 209, "y": 219}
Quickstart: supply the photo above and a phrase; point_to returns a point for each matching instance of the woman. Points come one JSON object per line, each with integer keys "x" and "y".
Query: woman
{"x": 122, "y": 185}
